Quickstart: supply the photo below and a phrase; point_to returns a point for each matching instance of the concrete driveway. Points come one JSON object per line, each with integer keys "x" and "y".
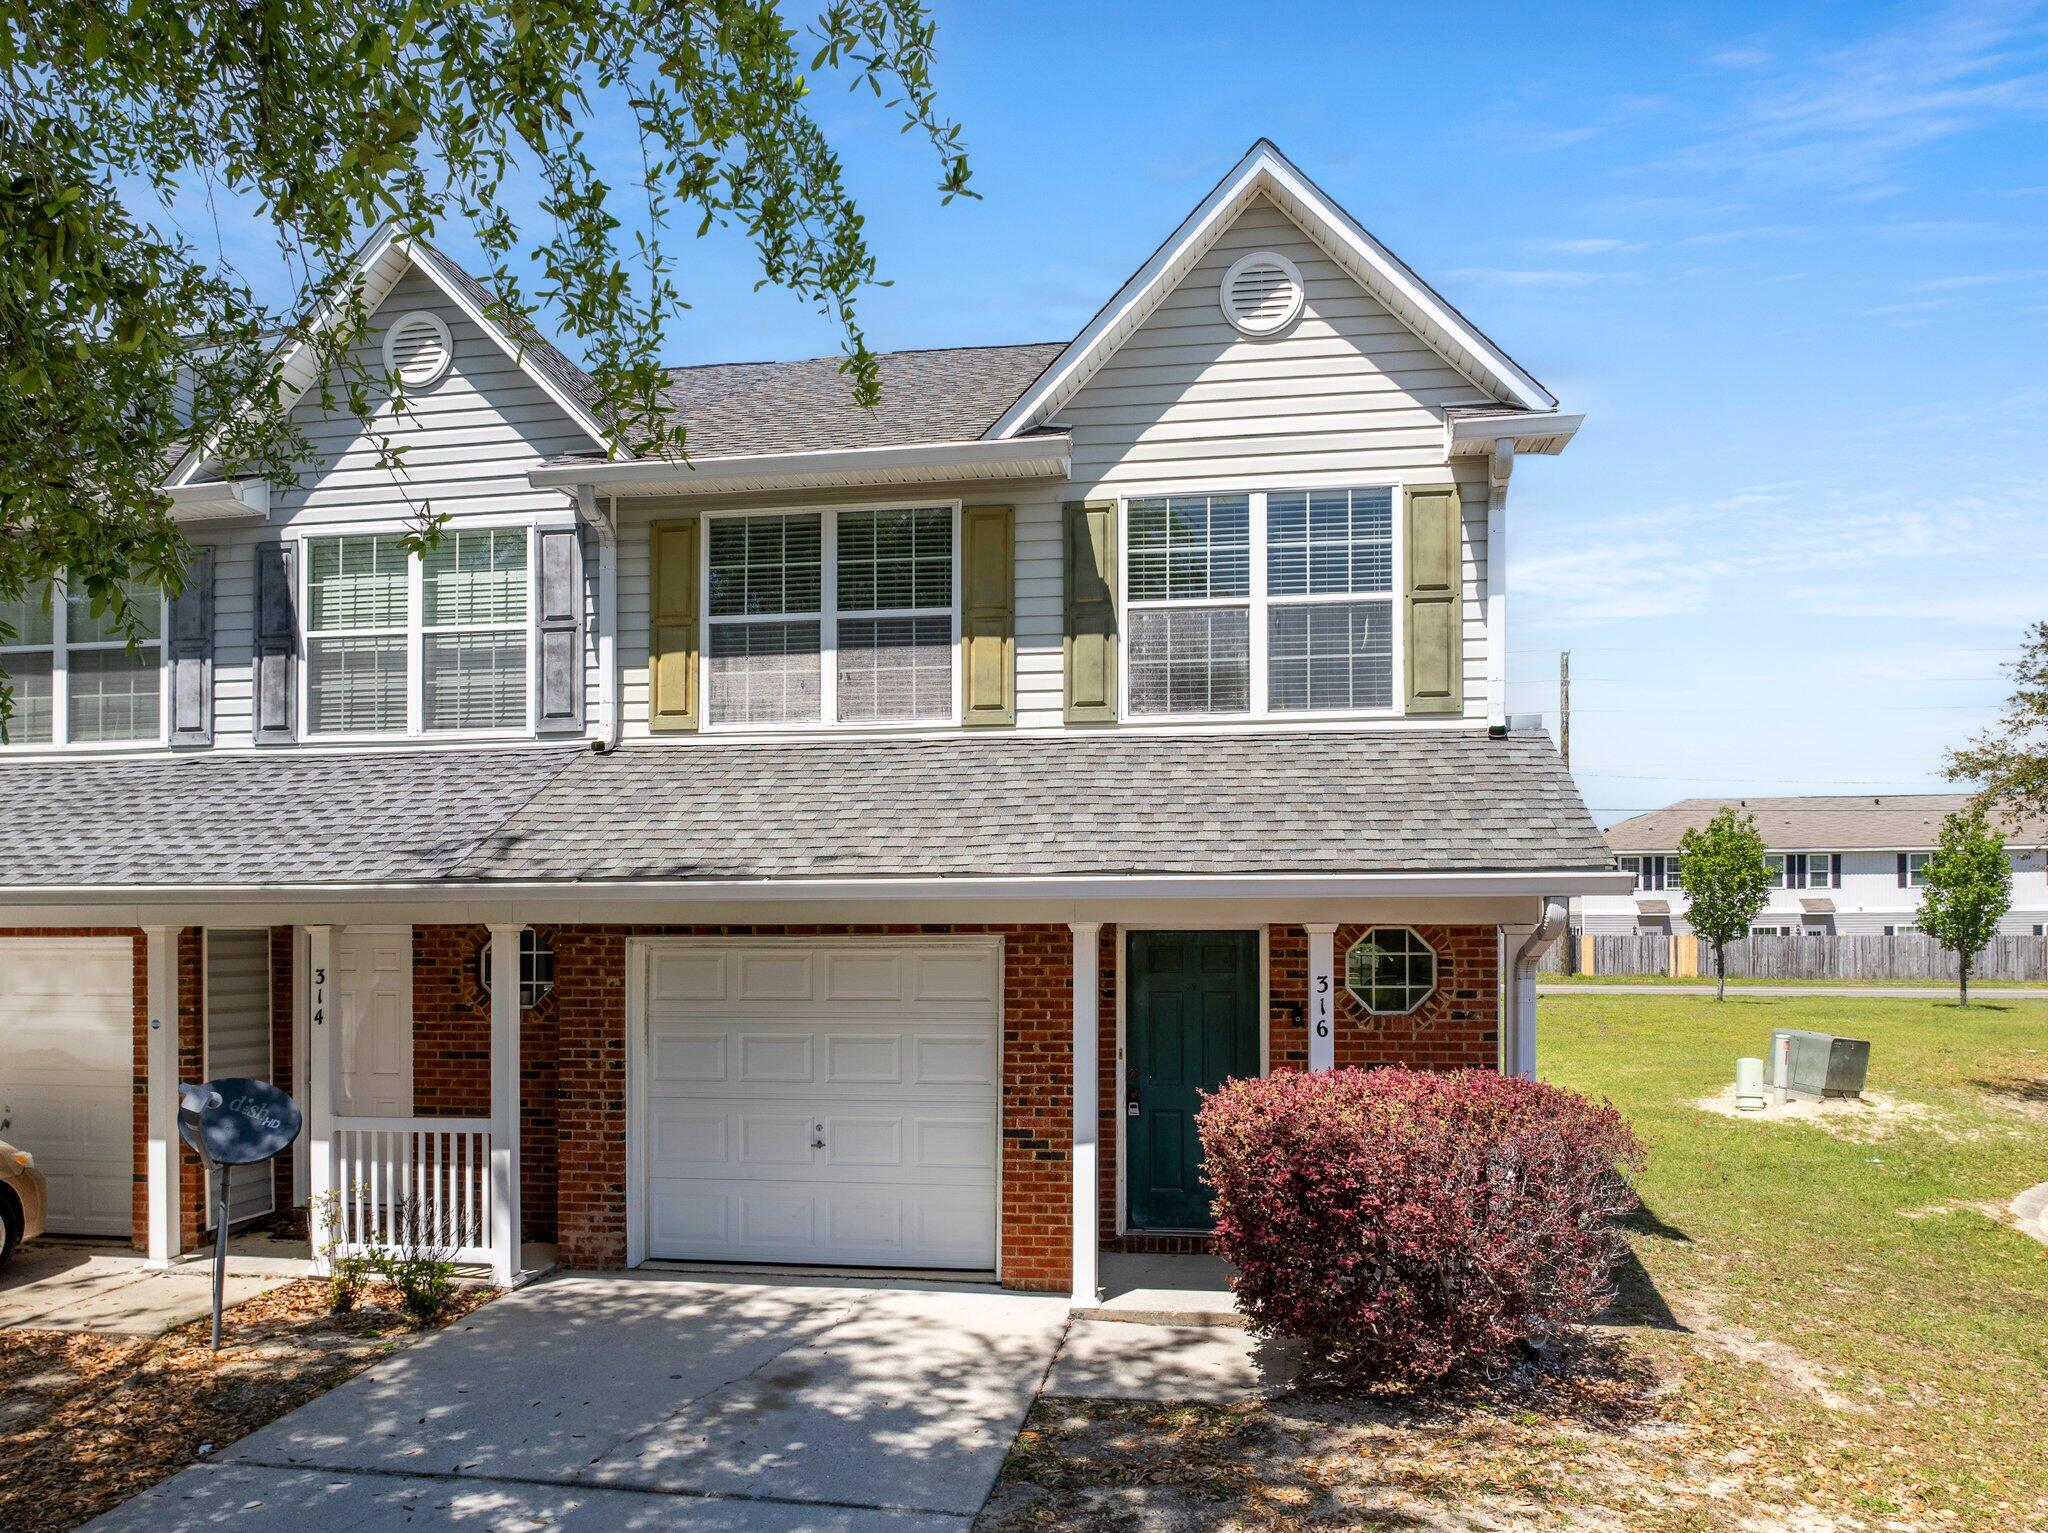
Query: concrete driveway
{"x": 650, "y": 1400}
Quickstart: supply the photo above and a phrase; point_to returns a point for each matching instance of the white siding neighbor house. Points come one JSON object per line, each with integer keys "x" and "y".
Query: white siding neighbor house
{"x": 860, "y": 844}
{"x": 1841, "y": 865}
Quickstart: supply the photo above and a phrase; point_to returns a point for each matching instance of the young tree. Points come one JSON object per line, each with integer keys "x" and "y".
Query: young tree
{"x": 1726, "y": 883}
{"x": 121, "y": 343}
{"x": 1969, "y": 887}
{"x": 2011, "y": 760}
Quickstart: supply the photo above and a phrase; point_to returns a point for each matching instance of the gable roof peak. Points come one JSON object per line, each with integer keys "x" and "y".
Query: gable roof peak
{"x": 1265, "y": 171}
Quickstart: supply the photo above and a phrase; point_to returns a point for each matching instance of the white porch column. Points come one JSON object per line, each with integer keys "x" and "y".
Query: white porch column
{"x": 1322, "y": 995}
{"x": 160, "y": 1164}
{"x": 505, "y": 1227}
{"x": 1087, "y": 1128}
{"x": 323, "y": 1047}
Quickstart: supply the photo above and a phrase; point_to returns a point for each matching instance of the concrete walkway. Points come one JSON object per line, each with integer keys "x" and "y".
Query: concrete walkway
{"x": 1861, "y": 992}
{"x": 654, "y": 1399}
{"x": 58, "y": 1287}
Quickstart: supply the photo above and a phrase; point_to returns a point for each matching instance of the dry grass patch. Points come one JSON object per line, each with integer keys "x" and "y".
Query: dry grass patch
{"x": 90, "y": 1420}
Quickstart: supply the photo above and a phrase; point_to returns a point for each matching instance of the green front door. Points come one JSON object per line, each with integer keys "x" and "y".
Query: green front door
{"x": 1191, "y": 1021}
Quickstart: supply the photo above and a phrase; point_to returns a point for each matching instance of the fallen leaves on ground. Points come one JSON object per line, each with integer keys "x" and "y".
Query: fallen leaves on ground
{"x": 90, "y": 1420}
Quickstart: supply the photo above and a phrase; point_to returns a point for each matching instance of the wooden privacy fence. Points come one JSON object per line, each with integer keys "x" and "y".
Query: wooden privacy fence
{"x": 1908, "y": 955}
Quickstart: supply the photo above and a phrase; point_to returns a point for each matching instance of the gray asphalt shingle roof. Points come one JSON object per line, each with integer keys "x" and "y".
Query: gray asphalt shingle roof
{"x": 1840, "y": 822}
{"x": 1124, "y": 803}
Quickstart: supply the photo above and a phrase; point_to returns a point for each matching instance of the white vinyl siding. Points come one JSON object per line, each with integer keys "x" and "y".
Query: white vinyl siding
{"x": 1346, "y": 395}
{"x": 75, "y": 678}
{"x": 469, "y": 440}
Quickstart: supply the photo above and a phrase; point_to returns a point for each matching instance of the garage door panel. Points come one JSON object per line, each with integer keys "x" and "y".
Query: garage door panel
{"x": 67, "y": 1073}
{"x": 887, "y": 1052}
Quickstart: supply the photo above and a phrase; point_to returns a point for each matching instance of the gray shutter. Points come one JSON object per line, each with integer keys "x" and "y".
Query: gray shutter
{"x": 276, "y": 683}
{"x": 558, "y": 635}
{"x": 1903, "y": 879}
{"x": 190, "y": 654}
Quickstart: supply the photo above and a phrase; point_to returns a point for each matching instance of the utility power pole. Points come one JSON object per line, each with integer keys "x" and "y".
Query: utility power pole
{"x": 1564, "y": 706}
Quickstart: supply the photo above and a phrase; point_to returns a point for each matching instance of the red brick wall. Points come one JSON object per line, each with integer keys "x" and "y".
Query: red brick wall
{"x": 1037, "y": 1090}
{"x": 451, "y": 1059}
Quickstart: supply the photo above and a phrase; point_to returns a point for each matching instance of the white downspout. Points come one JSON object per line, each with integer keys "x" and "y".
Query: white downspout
{"x": 605, "y": 524}
{"x": 1499, "y": 464}
{"x": 1518, "y": 1031}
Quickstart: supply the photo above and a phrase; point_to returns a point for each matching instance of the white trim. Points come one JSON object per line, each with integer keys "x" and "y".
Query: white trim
{"x": 828, "y": 618}
{"x": 323, "y": 1054}
{"x": 505, "y": 1231}
{"x": 1435, "y": 971}
{"x": 1040, "y": 456}
{"x": 1086, "y": 1161}
{"x": 1536, "y": 433}
{"x": 223, "y": 501}
{"x": 1258, "y": 603}
{"x": 1322, "y": 995}
{"x": 1265, "y": 170}
{"x": 60, "y": 649}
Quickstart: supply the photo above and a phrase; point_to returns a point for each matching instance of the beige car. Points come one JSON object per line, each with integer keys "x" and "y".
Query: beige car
{"x": 21, "y": 1199}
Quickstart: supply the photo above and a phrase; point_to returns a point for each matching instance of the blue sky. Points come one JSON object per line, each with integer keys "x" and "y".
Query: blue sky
{"x": 1792, "y": 262}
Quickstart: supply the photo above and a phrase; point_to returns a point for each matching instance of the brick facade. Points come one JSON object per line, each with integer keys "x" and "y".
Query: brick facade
{"x": 573, "y": 1051}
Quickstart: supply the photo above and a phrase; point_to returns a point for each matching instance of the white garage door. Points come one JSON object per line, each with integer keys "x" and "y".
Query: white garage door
{"x": 821, "y": 1101}
{"x": 67, "y": 1073}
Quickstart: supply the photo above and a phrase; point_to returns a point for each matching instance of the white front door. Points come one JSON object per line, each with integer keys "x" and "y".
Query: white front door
{"x": 67, "y": 1074}
{"x": 820, "y": 1100}
{"x": 373, "y": 994}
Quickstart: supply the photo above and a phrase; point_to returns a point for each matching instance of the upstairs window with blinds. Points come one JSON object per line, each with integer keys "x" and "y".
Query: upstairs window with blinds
{"x": 840, "y": 616}
{"x": 74, "y": 676}
{"x": 404, "y": 644}
{"x": 1260, "y": 603}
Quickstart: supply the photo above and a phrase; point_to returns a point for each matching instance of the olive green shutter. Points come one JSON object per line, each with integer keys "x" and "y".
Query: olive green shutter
{"x": 1435, "y": 618}
{"x": 988, "y": 615}
{"x": 672, "y": 629}
{"x": 1090, "y": 637}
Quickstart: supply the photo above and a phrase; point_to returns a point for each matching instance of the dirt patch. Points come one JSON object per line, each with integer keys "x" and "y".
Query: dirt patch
{"x": 1873, "y": 1116}
{"x": 92, "y": 1419}
{"x": 1786, "y": 1365}
{"x": 1544, "y": 1446}
{"x": 2025, "y": 1095}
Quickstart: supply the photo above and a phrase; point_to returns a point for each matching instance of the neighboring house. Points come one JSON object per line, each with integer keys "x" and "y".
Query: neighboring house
{"x": 1846, "y": 864}
{"x": 860, "y": 845}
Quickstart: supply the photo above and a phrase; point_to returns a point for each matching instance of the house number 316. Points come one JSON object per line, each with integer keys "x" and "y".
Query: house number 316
{"x": 1322, "y": 1005}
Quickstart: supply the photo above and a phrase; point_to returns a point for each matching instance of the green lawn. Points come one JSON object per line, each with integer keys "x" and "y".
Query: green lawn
{"x": 1867, "y": 1335}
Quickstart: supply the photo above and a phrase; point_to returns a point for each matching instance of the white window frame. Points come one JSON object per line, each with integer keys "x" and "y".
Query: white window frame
{"x": 1916, "y": 869}
{"x": 828, "y": 618}
{"x": 416, "y": 633}
{"x": 60, "y": 648}
{"x": 1259, "y": 604}
{"x": 1436, "y": 972}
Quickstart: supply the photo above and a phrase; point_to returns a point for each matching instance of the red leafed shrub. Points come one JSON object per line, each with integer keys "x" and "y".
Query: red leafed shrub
{"x": 1405, "y": 1223}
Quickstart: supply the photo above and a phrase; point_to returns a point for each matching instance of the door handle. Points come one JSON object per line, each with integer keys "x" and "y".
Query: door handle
{"x": 819, "y": 1142}
{"x": 1131, "y": 1108}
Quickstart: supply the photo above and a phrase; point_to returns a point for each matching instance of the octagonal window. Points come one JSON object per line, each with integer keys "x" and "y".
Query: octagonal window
{"x": 1390, "y": 971}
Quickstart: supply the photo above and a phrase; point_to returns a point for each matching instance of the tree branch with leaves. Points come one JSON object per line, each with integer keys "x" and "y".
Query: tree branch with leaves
{"x": 122, "y": 345}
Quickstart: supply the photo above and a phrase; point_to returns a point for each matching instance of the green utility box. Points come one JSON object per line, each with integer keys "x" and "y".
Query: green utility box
{"x": 1822, "y": 1065}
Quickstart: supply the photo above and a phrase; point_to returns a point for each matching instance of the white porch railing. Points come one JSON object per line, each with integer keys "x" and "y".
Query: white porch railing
{"x": 441, "y": 1165}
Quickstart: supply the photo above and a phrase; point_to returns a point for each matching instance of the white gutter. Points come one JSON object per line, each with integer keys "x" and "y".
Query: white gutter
{"x": 711, "y": 891}
{"x": 1045, "y": 457}
{"x": 607, "y": 529}
{"x": 1542, "y": 433}
{"x": 1498, "y": 467}
{"x": 223, "y": 500}
{"x": 1518, "y": 1034}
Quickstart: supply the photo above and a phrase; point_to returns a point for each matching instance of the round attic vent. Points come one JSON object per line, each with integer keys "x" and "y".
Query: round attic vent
{"x": 1261, "y": 293}
{"x": 417, "y": 350}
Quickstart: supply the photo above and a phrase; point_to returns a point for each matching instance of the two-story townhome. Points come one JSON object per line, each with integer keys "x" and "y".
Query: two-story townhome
{"x": 1841, "y": 865}
{"x": 859, "y": 845}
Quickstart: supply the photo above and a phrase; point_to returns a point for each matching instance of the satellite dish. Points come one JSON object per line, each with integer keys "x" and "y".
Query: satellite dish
{"x": 246, "y": 1121}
